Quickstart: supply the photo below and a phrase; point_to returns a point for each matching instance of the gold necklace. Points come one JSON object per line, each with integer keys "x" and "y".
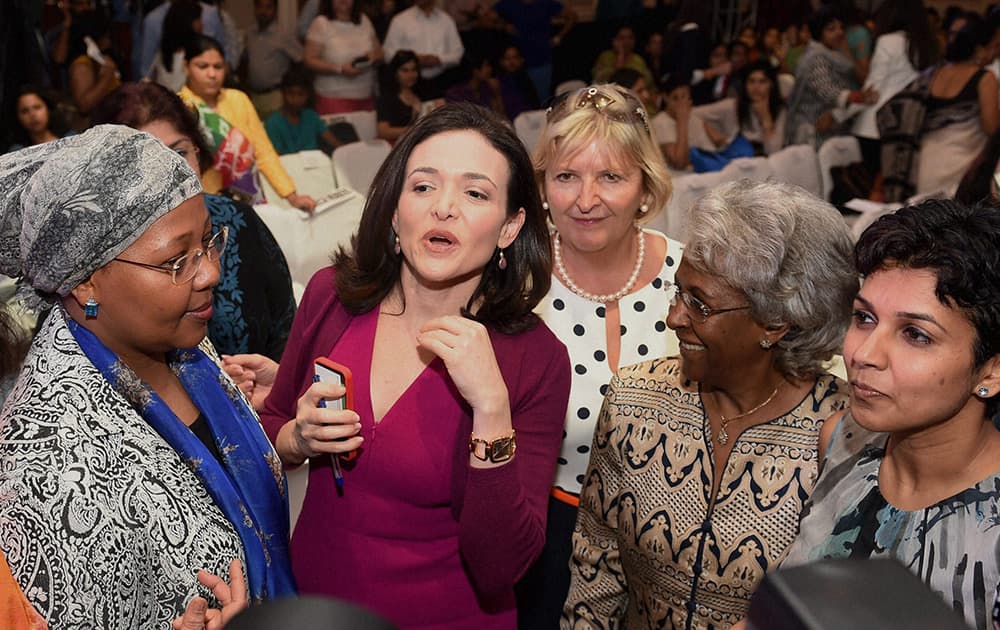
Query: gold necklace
{"x": 723, "y": 435}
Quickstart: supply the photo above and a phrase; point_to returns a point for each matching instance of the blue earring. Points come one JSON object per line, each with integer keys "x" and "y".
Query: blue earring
{"x": 90, "y": 307}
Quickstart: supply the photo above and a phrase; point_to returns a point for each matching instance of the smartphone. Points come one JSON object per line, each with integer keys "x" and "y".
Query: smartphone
{"x": 328, "y": 371}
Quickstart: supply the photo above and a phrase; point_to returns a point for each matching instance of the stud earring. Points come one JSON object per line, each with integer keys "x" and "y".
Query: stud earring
{"x": 766, "y": 343}
{"x": 90, "y": 308}
{"x": 502, "y": 263}
{"x": 644, "y": 208}
{"x": 983, "y": 391}
{"x": 396, "y": 248}
{"x": 545, "y": 205}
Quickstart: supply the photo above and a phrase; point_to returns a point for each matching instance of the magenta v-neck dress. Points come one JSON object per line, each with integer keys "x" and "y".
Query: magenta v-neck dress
{"x": 391, "y": 541}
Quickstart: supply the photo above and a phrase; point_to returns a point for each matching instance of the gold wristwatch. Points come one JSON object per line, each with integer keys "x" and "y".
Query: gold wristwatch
{"x": 499, "y": 450}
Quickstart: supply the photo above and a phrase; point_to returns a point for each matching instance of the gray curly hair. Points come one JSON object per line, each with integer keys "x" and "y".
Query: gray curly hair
{"x": 791, "y": 254}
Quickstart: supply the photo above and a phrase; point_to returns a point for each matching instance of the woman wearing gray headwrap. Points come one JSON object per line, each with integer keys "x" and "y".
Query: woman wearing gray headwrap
{"x": 130, "y": 461}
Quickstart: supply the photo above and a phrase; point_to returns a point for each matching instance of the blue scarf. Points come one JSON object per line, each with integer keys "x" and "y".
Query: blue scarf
{"x": 250, "y": 490}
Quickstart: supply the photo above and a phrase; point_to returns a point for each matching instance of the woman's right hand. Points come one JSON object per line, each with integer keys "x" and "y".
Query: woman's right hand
{"x": 316, "y": 430}
{"x": 232, "y": 596}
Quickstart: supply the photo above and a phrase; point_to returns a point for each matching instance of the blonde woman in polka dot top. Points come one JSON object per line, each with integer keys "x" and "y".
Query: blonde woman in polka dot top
{"x": 602, "y": 176}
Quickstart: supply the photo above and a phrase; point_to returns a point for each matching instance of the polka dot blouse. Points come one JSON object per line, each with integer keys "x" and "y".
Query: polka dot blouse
{"x": 579, "y": 324}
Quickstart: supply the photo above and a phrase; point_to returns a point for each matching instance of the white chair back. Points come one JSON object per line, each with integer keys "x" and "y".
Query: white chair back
{"x": 356, "y": 164}
{"x": 365, "y": 123}
{"x": 755, "y": 169}
{"x": 799, "y": 165}
{"x": 310, "y": 171}
{"x": 687, "y": 189}
{"x": 528, "y": 126}
{"x": 836, "y": 151}
{"x": 569, "y": 86}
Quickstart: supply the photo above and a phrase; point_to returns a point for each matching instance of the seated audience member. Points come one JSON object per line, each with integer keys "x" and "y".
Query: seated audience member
{"x": 652, "y": 53}
{"x": 531, "y": 23}
{"x": 729, "y": 430}
{"x": 516, "y": 89}
{"x": 912, "y": 469}
{"x": 962, "y": 110}
{"x": 772, "y": 47}
{"x": 121, "y": 420}
{"x": 37, "y": 119}
{"x": 825, "y": 84}
{"x": 857, "y": 38}
{"x": 238, "y": 142}
{"x": 482, "y": 88}
{"x": 398, "y": 104}
{"x": 183, "y": 21}
{"x": 253, "y": 305}
{"x": 93, "y": 72}
{"x": 712, "y": 83}
{"x": 438, "y": 517}
{"x": 798, "y": 40}
{"x": 748, "y": 38}
{"x": 678, "y": 129}
{"x": 296, "y": 126}
{"x": 760, "y": 110}
{"x": 621, "y": 55}
{"x": 432, "y": 35}
{"x": 152, "y": 32}
{"x": 606, "y": 300}
{"x": 270, "y": 52}
{"x": 342, "y": 50}
{"x": 634, "y": 81}
{"x": 738, "y": 54}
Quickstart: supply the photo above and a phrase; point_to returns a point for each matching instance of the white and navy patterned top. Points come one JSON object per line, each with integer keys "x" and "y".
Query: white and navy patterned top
{"x": 579, "y": 324}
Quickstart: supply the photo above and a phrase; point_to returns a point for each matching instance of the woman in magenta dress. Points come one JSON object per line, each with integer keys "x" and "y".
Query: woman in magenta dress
{"x": 459, "y": 390}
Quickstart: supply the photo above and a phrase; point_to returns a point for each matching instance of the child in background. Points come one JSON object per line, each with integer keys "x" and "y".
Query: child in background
{"x": 297, "y": 127}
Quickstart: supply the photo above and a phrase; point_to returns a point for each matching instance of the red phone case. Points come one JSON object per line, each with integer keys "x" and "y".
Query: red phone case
{"x": 348, "y": 378}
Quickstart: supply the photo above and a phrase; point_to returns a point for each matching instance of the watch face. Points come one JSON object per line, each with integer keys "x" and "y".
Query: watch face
{"x": 502, "y": 449}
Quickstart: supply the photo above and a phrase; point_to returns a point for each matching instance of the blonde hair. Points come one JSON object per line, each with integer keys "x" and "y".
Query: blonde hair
{"x": 614, "y": 117}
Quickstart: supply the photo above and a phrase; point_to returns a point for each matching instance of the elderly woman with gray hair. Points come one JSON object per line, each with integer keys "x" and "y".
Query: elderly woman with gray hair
{"x": 130, "y": 461}
{"x": 700, "y": 464}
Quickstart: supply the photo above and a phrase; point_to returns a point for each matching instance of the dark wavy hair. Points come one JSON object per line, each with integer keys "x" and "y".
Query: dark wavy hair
{"x": 506, "y": 297}
{"x": 974, "y": 34}
{"x": 958, "y": 243}
{"x": 774, "y": 102}
{"x": 178, "y": 27}
{"x": 139, "y": 104}
{"x": 326, "y": 10}
{"x": 909, "y": 16}
{"x": 822, "y": 16}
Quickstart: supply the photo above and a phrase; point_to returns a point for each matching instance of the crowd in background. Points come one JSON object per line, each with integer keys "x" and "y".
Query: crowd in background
{"x": 557, "y": 415}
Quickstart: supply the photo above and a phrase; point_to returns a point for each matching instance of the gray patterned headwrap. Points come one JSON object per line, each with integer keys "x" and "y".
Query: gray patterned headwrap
{"x": 68, "y": 207}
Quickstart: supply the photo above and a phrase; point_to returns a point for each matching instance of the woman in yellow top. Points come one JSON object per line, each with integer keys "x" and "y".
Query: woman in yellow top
{"x": 229, "y": 122}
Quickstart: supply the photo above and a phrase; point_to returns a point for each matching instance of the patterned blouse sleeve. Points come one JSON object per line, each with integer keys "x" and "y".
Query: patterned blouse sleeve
{"x": 824, "y": 83}
{"x": 598, "y": 594}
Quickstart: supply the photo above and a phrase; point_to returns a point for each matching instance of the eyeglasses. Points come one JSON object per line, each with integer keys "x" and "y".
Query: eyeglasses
{"x": 185, "y": 268}
{"x": 694, "y": 305}
{"x": 604, "y": 99}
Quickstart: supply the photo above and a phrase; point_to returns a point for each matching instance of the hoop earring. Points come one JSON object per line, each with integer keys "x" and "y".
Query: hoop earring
{"x": 90, "y": 308}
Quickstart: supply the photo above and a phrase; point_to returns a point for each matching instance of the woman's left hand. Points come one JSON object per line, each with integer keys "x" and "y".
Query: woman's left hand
{"x": 464, "y": 346}
{"x": 232, "y": 596}
{"x": 302, "y": 202}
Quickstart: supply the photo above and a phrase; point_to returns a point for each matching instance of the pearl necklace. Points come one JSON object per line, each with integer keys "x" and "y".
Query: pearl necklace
{"x": 600, "y": 299}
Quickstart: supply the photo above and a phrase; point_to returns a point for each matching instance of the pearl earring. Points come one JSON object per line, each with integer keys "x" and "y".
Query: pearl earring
{"x": 545, "y": 205}
{"x": 502, "y": 263}
{"x": 983, "y": 391}
{"x": 644, "y": 208}
{"x": 396, "y": 248}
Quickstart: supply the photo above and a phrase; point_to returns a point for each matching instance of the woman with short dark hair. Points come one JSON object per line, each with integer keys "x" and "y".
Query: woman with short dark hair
{"x": 459, "y": 390}
{"x": 912, "y": 470}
